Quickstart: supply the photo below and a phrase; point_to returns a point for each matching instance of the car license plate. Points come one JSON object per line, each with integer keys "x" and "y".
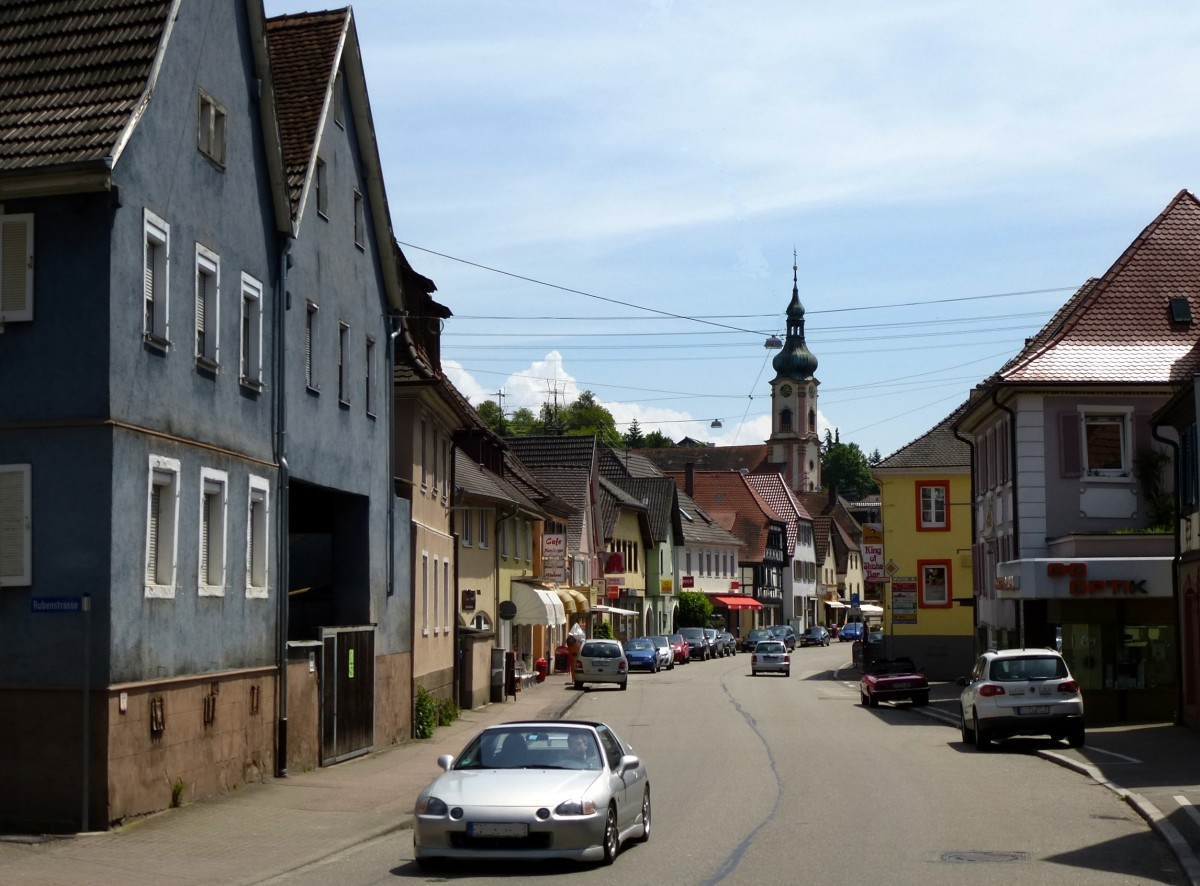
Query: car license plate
{"x": 497, "y": 829}
{"x": 902, "y": 686}
{"x": 1034, "y": 709}
{"x": 771, "y": 657}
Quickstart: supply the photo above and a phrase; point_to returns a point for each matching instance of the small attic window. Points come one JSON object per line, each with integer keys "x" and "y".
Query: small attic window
{"x": 1181, "y": 310}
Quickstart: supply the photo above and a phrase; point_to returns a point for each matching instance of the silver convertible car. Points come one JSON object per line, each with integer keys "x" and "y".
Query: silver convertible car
{"x": 536, "y": 789}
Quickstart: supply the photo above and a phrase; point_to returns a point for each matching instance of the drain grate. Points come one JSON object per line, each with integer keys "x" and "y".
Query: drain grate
{"x": 973, "y": 857}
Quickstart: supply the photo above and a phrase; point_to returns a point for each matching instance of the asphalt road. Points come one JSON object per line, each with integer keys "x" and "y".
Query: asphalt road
{"x": 773, "y": 780}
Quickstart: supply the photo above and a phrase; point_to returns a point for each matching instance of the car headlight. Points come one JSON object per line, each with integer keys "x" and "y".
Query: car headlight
{"x": 431, "y": 806}
{"x": 576, "y": 807}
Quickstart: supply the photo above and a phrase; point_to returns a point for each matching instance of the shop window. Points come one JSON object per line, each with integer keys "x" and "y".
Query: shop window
{"x": 1129, "y": 657}
{"x": 933, "y": 584}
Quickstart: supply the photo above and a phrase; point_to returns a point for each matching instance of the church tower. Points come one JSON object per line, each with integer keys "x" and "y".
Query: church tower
{"x": 794, "y": 441}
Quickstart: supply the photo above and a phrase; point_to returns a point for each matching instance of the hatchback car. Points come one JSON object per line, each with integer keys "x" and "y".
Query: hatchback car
{"x": 666, "y": 655}
{"x": 601, "y": 661}
{"x": 713, "y": 636}
{"x": 754, "y": 637}
{"x": 680, "y": 648}
{"x": 770, "y": 657}
{"x": 786, "y": 633}
{"x": 850, "y": 631}
{"x": 700, "y": 650}
{"x": 642, "y": 654}
{"x": 728, "y": 643}
{"x": 1020, "y": 692}
{"x": 814, "y": 635}
{"x": 535, "y": 790}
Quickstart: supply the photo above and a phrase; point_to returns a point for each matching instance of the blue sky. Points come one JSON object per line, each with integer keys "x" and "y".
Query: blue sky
{"x": 595, "y": 163}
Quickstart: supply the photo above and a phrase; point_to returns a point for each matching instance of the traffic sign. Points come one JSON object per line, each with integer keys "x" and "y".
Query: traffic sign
{"x": 56, "y": 604}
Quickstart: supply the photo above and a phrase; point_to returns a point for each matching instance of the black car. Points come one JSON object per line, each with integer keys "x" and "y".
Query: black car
{"x": 814, "y": 635}
{"x": 728, "y": 642}
{"x": 753, "y": 637}
{"x": 714, "y": 642}
{"x": 786, "y": 633}
{"x": 701, "y": 650}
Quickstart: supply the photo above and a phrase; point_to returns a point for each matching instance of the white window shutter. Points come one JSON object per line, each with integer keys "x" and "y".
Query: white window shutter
{"x": 16, "y": 268}
{"x": 15, "y": 526}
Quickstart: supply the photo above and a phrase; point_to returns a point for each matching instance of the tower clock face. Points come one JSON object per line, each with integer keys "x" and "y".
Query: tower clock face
{"x": 786, "y": 390}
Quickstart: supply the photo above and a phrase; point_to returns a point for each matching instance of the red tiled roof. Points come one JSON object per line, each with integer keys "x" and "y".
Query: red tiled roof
{"x": 1118, "y": 329}
{"x": 72, "y": 75}
{"x": 783, "y": 502}
{"x": 303, "y": 49}
{"x": 733, "y": 502}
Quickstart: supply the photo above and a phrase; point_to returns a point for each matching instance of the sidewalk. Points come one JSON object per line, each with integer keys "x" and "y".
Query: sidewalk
{"x": 1154, "y": 767}
{"x": 260, "y": 832}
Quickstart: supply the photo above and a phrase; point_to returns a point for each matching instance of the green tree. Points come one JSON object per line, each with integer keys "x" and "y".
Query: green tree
{"x": 695, "y": 609}
{"x": 633, "y": 437}
{"x": 844, "y": 467}
{"x": 524, "y": 423}
{"x": 657, "y": 440}
{"x": 490, "y": 412}
{"x": 585, "y": 417}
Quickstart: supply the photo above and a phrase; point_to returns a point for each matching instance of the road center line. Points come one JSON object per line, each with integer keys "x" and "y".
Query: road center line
{"x": 1095, "y": 750}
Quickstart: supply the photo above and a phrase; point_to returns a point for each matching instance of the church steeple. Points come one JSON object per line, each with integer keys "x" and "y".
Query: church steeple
{"x": 795, "y": 361}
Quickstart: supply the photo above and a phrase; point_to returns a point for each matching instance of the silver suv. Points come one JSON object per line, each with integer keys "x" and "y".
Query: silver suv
{"x": 1020, "y": 692}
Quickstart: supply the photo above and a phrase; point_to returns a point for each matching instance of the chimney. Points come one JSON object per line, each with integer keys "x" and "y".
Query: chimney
{"x": 689, "y": 478}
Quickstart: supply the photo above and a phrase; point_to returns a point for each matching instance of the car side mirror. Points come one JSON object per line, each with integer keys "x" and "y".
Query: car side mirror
{"x": 445, "y": 761}
{"x": 628, "y": 763}
{"x": 962, "y": 681}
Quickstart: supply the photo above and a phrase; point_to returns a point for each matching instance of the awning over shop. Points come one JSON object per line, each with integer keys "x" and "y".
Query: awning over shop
{"x": 613, "y": 610}
{"x": 573, "y": 602}
{"x": 736, "y": 601}
{"x": 834, "y": 604}
{"x": 536, "y": 606}
{"x": 870, "y": 609}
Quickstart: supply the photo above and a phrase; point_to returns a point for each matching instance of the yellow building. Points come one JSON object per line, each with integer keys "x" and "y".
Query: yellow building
{"x": 925, "y": 489}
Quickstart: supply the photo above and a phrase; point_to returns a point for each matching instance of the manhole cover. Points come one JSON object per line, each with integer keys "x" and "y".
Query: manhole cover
{"x": 974, "y": 857}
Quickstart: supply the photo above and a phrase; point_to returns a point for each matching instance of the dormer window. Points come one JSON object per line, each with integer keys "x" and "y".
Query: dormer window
{"x": 1181, "y": 310}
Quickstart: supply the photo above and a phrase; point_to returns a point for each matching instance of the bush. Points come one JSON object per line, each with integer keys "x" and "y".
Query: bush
{"x": 447, "y": 711}
{"x": 425, "y": 714}
{"x": 602, "y": 631}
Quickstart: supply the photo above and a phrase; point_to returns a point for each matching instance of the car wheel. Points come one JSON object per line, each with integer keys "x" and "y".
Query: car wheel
{"x": 862, "y": 697}
{"x": 624, "y": 685}
{"x": 753, "y": 673}
{"x": 787, "y": 672}
{"x": 982, "y": 741}
{"x": 1075, "y": 738}
{"x": 645, "y": 817}
{"x": 921, "y": 699}
{"x": 872, "y": 700}
{"x": 968, "y": 737}
{"x": 612, "y": 839}
{"x": 579, "y": 684}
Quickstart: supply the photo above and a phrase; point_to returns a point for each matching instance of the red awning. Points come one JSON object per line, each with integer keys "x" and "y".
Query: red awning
{"x": 736, "y": 601}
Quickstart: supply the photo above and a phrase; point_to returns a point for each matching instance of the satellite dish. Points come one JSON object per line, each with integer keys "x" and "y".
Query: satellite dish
{"x": 507, "y": 610}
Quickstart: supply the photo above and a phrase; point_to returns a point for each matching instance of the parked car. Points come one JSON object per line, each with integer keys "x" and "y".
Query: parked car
{"x": 1020, "y": 692}
{"x": 850, "y": 631}
{"x": 642, "y": 654}
{"x": 814, "y": 635}
{"x": 893, "y": 679}
{"x": 666, "y": 655}
{"x": 601, "y": 661}
{"x": 681, "y": 649}
{"x": 580, "y": 793}
{"x": 770, "y": 657}
{"x": 712, "y": 635}
{"x": 786, "y": 633}
{"x": 754, "y": 637}
{"x": 701, "y": 651}
{"x": 728, "y": 643}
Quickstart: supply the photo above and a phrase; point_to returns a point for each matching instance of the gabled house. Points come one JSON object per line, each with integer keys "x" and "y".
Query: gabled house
{"x": 800, "y": 598}
{"x": 928, "y": 604}
{"x": 1066, "y": 471}
{"x": 625, "y": 529}
{"x": 844, "y": 536}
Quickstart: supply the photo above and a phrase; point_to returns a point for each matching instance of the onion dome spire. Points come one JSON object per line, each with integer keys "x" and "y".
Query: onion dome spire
{"x": 795, "y": 361}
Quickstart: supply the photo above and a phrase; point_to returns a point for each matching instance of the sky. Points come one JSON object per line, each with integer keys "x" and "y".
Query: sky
{"x": 609, "y": 196}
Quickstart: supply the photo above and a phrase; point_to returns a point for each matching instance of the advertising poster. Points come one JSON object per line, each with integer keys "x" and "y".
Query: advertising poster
{"x": 904, "y": 602}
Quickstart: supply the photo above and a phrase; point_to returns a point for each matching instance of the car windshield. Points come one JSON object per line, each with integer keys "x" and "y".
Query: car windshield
{"x": 641, "y": 643}
{"x": 1040, "y": 667}
{"x": 531, "y": 747}
{"x": 815, "y": 631}
{"x": 769, "y": 646}
{"x": 662, "y": 641}
{"x": 601, "y": 650}
{"x": 693, "y": 633}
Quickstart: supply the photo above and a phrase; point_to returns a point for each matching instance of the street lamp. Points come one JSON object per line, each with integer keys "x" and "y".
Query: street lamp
{"x": 773, "y": 343}
{"x": 716, "y": 423}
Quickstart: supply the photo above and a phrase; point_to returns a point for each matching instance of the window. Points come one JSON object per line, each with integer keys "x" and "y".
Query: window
{"x": 156, "y": 263}
{"x": 16, "y": 509}
{"x": 435, "y": 595}
{"x": 369, "y": 390}
{"x": 360, "y": 221}
{"x": 785, "y": 420}
{"x": 343, "y": 368}
{"x": 483, "y": 529}
{"x": 425, "y": 594}
{"x": 162, "y": 526}
{"x": 465, "y": 535}
{"x": 16, "y": 268}
{"x": 310, "y": 330}
{"x": 214, "y": 507}
{"x": 211, "y": 138}
{"x": 1189, "y": 462}
{"x": 1105, "y": 453}
{"x": 502, "y": 532}
{"x": 250, "y": 360}
{"x": 258, "y": 520}
{"x": 322, "y": 184}
{"x": 446, "y": 593}
{"x": 339, "y": 101}
{"x": 208, "y": 300}
{"x": 933, "y": 512}
{"x": 934, "y": 584}
{"x": 424, "y": 455}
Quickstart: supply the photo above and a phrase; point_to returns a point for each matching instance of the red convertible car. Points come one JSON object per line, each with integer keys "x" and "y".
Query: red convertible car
{"x": 893, "y": 679}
